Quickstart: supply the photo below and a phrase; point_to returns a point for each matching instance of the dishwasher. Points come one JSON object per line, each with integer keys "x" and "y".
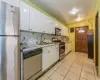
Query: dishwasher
{"x": 32, "y": 64}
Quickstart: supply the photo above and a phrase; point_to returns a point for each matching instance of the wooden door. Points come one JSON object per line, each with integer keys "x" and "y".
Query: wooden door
{"x": 81, "y": 40}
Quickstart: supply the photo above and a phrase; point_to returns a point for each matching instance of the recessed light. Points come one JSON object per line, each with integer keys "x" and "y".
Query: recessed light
{"x": 79, "y": 19}
{"x": 74, "y": 11}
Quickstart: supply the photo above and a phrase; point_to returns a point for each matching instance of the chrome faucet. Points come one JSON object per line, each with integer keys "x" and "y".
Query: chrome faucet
{"x": 42, "y": 38}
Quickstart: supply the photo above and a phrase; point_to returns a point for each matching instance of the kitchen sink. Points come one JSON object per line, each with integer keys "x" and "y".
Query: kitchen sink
{"x": 45, "y": 43}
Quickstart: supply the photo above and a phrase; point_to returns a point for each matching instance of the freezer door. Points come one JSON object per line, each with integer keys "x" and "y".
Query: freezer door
{"x": 9, "y": 60}
{"x": 9, "y": 24}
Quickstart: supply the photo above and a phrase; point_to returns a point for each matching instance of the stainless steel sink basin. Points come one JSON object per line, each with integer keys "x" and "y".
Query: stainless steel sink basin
{"x": 45, "y": 43}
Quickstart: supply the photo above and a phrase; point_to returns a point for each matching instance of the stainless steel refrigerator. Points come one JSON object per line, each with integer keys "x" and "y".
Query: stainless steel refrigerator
{"x": 9, "y": 42}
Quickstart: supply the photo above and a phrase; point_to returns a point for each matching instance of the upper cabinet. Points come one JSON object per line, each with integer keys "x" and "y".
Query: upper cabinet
{"x": 12, "y": 2}
{"x": 64, "y": 31}
{"x": 24, "y": 16}
{"x": 35, "y": 21}
{"x": 39, "y": 22}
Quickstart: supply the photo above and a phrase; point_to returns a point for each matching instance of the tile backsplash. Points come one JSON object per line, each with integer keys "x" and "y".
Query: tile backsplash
{"x": 33, "y": 39}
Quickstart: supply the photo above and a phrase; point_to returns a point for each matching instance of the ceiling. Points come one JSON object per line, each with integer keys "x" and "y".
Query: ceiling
{"x": 67, "y": 11}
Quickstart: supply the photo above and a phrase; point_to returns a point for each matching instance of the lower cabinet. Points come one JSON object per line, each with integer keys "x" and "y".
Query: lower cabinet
{"x": 50, "y": 56}
{"x": 68, "y": 48}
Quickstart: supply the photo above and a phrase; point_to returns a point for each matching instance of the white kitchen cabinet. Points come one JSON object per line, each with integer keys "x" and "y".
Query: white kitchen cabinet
{"x": 12, "y": 2}
{"x": 50, "y": 28}
{"x": 39, "y": 22}
{"x": 35, "y": 21}
{"x": 24, "y": 16}
{"x": 55, "y": 53}
{"x": 50, "y": 56}
{"x": 68, "y": 47}
{"x": 64, "y": 31}
{"x": 45, "y": 58}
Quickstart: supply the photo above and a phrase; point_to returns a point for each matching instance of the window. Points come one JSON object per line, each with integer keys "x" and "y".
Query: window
{"x": 81, "y": 31}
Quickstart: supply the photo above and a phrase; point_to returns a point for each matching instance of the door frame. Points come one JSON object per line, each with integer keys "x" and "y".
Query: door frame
{"x": 75, "y": 34}
{"x": 96, "y": 39}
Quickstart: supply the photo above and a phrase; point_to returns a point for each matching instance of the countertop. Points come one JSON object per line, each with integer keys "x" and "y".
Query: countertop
{"x": 39, "y": 46}
{"x": 68, "y": 42}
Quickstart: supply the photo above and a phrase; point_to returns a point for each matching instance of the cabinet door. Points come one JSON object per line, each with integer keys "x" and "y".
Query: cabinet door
{"x": 50, "y": 28}
{"x": 24, "y": 16}
{"x": 66, "y": 31}
{"x": 70, "y": 47}
{"x": 45, "y": 61}
{"x": 46, "y": 58}
{"x": 12, "y": 2}
{"x": 56, "y": 53}
{"x": 37, "y": 21}
{"x": 66, "y": 48}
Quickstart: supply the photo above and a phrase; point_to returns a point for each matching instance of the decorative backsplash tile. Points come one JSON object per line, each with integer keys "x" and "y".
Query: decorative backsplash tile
{"x": 33, "y": 39}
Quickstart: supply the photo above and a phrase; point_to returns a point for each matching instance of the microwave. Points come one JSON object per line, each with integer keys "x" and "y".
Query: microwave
{"x": 57, "y": 31}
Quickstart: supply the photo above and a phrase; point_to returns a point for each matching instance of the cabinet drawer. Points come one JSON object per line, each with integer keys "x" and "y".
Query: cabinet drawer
{"x": 46, "y": 50}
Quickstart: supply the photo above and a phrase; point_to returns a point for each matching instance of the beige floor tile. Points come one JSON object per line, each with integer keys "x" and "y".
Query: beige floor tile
{"x": 43, "y": 78}
{"x": 91, "y": 77}
{"x": 82, "y": 78}
{"x": 72, "y": 76}
{"x": 75, "y": 70}
{"x": 88, "y": 70}
{"x": 48, "y": 79}
{"x": 66, "y": 79}
{"x": 62, "y": 71}
{"x": 87, "y": 75}
{"x": 74, "y": 63}
{"x": 49, "y": 73}
{"x": 68, "y": 62}
{"x": 77, "y": 66}
{"x": 56, "y": 76}
{"x": 81, "y": 54}
{"x": 65, "y": 66}
{"x": 84, "y": 74}
{"x": 57, "y": 65}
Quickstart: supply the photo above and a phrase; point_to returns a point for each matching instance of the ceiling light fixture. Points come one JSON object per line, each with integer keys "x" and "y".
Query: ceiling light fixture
{"x": 74, "y": 11}
{"x": 79, "y": 19}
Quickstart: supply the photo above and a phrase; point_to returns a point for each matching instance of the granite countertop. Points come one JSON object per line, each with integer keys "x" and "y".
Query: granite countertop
{"x": 39, "y": 46}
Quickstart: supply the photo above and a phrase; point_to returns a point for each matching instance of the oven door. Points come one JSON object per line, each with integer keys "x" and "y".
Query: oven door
{"x": 62, "y": 51}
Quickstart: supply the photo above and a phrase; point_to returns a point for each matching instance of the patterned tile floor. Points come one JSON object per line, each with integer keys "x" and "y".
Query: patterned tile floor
{"x": 75, "y": 66}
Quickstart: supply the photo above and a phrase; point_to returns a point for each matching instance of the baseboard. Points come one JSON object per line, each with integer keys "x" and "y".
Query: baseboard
{"x": 68, "y": 53}
{"x": 96, "y": 67}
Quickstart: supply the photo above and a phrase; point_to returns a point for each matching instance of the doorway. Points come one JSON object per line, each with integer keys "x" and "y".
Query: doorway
{"x": 81, "y": 39}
